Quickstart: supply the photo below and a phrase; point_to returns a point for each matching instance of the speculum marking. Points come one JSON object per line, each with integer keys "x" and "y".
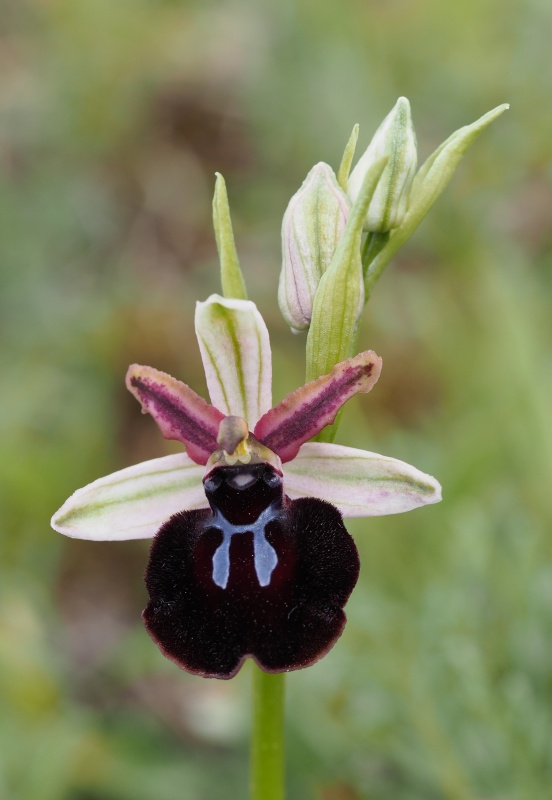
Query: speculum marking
{"x": 265, "y": 557}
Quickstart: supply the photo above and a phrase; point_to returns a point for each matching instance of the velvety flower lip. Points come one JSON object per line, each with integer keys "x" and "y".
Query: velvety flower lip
{"x": 255, "y": 562}
{"x": 271, "y": 585}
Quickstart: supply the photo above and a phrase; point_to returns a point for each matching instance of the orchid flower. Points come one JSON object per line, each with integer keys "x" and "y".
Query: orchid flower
{"x": 250, "y": 557}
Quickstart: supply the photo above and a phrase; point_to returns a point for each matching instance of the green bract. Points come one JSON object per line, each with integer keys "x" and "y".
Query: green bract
{"x": 233, "y": 284}
{"x": 347, "y": 160}
{"x": 340, "y": 296}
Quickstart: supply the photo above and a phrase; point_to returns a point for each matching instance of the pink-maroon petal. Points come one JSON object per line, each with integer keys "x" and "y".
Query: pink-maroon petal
{"x": 359, "y": 483}
{"x": 179, "y": 412}
{"x": 305, "y": 412}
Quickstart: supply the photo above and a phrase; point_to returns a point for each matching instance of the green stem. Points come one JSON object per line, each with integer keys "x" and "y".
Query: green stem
{"x": 267, "y": 740}
{"x": 373, "y": 245}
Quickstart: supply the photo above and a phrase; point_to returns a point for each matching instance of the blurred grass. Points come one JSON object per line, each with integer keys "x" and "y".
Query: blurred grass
{"x": 114, "y": 118}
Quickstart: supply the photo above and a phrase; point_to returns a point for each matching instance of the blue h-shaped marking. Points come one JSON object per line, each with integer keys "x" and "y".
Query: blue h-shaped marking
{"x": 264, "y": 554}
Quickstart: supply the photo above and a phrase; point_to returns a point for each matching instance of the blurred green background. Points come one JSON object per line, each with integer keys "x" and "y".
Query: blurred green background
{"x": 114, "y": 117}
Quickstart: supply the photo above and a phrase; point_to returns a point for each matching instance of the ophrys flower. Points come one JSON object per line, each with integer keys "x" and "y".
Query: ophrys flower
{"x": 250, "y": 556}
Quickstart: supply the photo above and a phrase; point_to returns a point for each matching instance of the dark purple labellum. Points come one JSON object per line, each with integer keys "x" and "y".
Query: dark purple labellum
{"x": 256, "y": 575}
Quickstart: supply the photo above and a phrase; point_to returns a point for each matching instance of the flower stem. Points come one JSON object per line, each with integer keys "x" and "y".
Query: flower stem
{"x": 373, "y": 245}
{"x": 267, "y": 741}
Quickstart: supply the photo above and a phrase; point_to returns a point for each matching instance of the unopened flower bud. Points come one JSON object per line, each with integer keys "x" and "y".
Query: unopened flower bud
{"x": 313, "y": 224}
{"x": 396, "y": 140}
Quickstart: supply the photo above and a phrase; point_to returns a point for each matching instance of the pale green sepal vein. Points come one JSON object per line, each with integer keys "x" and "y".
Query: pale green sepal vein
{"x": 347, "y": 160}
{"x": 134, "y": 502}
{"x": 357, "y": 482}
{"x": 233, "y": 283}
{"x": 431, "y": 179}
